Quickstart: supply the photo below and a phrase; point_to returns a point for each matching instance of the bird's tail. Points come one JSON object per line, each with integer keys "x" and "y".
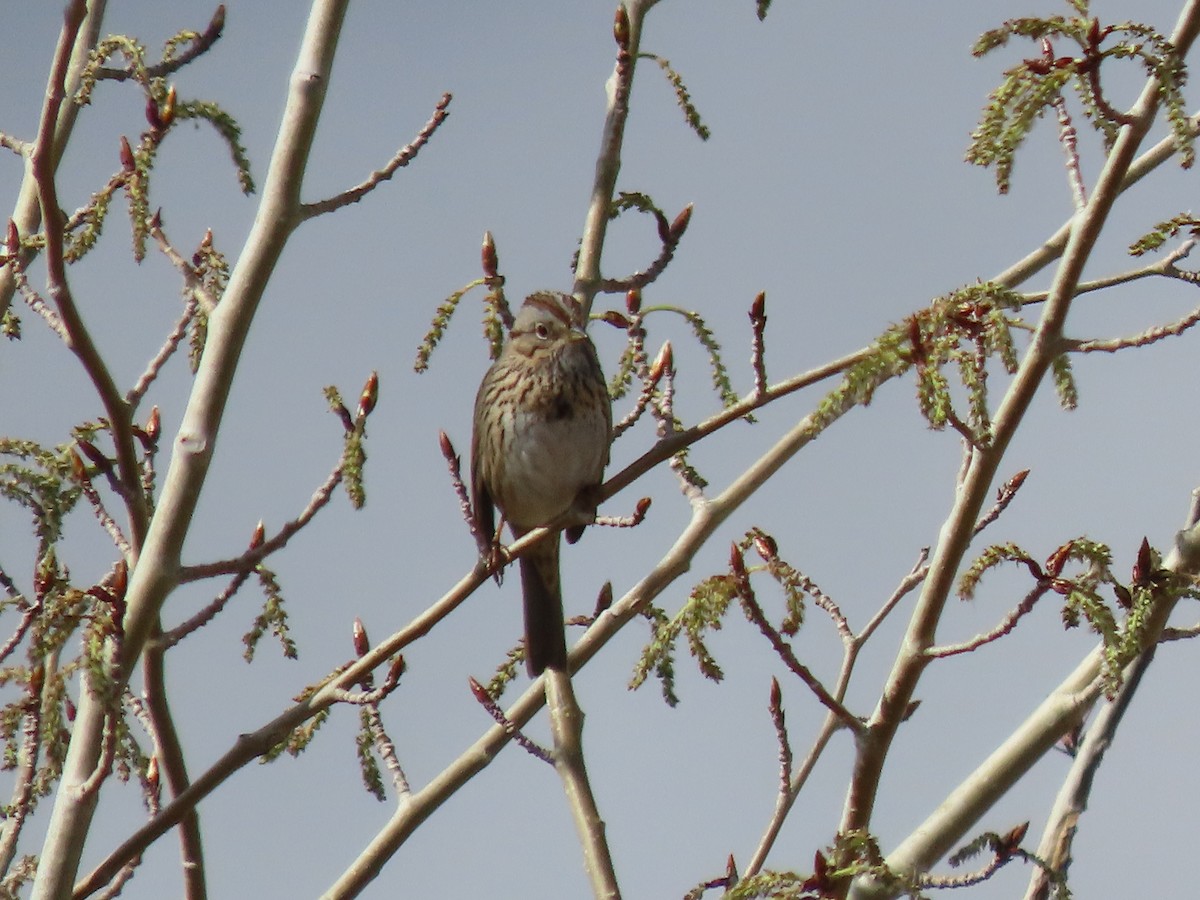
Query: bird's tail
{"x": 545, "y": 640}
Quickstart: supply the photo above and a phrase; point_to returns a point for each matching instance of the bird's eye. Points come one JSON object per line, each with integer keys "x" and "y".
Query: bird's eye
{"x": 542, "y": 330}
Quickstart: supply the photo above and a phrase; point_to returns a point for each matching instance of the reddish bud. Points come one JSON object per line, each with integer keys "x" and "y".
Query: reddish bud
{"x": 731, "y": 872}
{"x": 207, "y": 242}
{"x": 259, "y": 535}
{"x": 479, "y": 691}
{"x": 127, "y": 162}
{"x": 153, "y": 424}
{"x": 361, "y": 642}
{"x": 156, "y": 220}
{"x": 758, "y": 308}
{"x": 664, "y": 227}
{"x": 1014, "y": 484}
{"x": 820, "y": 867}
{"x": 621, "y": 27}
{"x": 604, "y": 599}
{"x": 615, "y": 319}
{"x": 370, "y": 393}
{"x": 447, "y": 448}
{"x": 1058, "y": 559}
{"x": 633, "y": 301}
{"x": 152, "y": 775}
{"x": 152, "y": 114}
{"x": 766, "y": 546}
{"x": 78, "y": 469}
{"x": 69, "y": 709}
{"x": 92, "y": 452}
{"x": 776, "y": 693}
{"x": 397, "y": 669}
{"x": 217, "y": 25}
{"x": 679, "y": 226}
{"x": 642, "y": 507}
{"x": 663, "y": 363}
{"x": 167, "y": 112}
{"x": 120, "y": 579}
{"x": 14, "y": 239}
{"x": 101, "y": 594}
{"x": 491, "y": 264}
{"x": 1013, "y": 839}
{"x": 1141, "y": 568}
{"x": 737, "y": 562}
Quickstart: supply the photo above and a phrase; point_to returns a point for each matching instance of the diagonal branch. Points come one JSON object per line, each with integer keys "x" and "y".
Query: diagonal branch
{"x": 403, "y": 157}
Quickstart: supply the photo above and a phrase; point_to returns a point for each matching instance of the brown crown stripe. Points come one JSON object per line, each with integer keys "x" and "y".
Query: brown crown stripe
{"x": 555, "y": 304}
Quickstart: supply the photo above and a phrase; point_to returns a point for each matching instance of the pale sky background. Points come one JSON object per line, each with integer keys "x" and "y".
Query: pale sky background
{"x": 834, "y": 182}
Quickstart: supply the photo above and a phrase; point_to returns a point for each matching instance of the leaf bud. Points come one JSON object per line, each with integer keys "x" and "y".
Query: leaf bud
{"x": 153, "y": 424}
{"x": 621, "y": 27}
{"x": 663, "y": 363}
{"x": 679, "y": 226}
{"x": 167, "y": 112}
{"x": 758, "y": 308}
{"x": 614, "y": 318}
{"x": 491, "y": 264}
{"x": 370, "y": 394}
{"x": 362, "y": 643}
{"x": 127, "y": 162}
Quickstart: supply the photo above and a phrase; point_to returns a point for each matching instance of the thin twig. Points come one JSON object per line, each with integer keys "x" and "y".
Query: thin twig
{"x": 466, "y": 508}
{"x": 372, "y": 696}
{"x": 108, "y": 753}
{"x": 533, "y": 748}
{"x": 775, "y": 706}
{"x": 27, "y": 617}
{"x": 403, "y": 157}
{"x": 783, "y": 649}
{"x": 35, "y": 301}
{"x": 1068, "y": 138}
{"x": 639, "y": 280}
{"x": 20, "y": 804}
{"x": 105, "y": 519}
{"x": 256, "y": 554}
{"x": 195, "y": 290}
{"x": 16, "y": 145}
{"x": 170, "y": 638}
{"x": 165, "y": 352}
{"x": 1144, "y": 339}
{"x": 1007, "y": 624}
{"x": 1004, "y": 496}
{"x": 907, "y": 585}
{"x": 758, "y": 328}
{"x": 199, "y": 44}
{"x": 386, "y": 748}
{"x": 650, "y": 376}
